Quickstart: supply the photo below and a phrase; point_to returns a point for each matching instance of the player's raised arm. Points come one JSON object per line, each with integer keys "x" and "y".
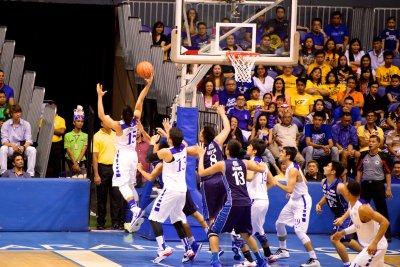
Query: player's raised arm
{"x": 100, "y": 109}
{"x": 221, "y": 137}
{"x": 153, "y": 175}
{"x": 139, "y": 103}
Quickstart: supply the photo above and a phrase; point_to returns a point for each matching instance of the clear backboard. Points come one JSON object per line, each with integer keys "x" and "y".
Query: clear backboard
{"x": 206, "y": 30}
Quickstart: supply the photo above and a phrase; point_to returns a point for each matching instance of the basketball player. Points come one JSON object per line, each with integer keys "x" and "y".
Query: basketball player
{"x": 296, "y": 212}
{"x": 369, "y": 225}
{"x": 171, "y": 201}
{"x": 257, "y": 187}
{"x": 126, "y": 160}
{"x": 236, "y": 211}
{"x": 333, "y": 189}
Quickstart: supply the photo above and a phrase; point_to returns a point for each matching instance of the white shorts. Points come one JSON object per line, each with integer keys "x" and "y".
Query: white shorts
{"x": 259, "y": 209}
{"x": 125, "y": 167}
{"x": 363, "y": 258}
{"x": 297, "y": 213}
{"x": 169, "y": 204}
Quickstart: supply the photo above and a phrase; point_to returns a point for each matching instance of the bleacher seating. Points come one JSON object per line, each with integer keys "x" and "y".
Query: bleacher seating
{"x": 28, "y": 96}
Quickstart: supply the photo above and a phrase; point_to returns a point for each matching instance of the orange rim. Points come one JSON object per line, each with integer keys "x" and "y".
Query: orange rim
{"x": 241, "y": 53}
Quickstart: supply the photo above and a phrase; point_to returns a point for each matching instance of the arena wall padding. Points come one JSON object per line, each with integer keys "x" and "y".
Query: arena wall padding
{"x": 45, "y": 205}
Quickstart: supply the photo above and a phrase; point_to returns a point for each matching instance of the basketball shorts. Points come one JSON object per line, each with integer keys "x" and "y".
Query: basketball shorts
{"x": 169, "y": 204}
{"x": 125, "y": 167}
{"x": 296, "y": 213}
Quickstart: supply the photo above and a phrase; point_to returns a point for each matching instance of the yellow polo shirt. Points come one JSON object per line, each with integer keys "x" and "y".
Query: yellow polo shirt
{"x": 363, "y": 132}
{"x": 104, "y": 144}
{"x": 59, "y": 123}
{"x": 290, "y": 84}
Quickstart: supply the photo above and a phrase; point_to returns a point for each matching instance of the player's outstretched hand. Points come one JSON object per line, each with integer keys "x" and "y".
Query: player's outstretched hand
{"x": 99, "y": 90}
{"x": 318, "y": 208}
{"x": 161, "y": 132}
{"x": 166, "y": 124}
{"x": 221, "y": 110}
{"x": 150, "y": 79}
{"x": 200, "y": 150}
{"x": 154, "y": 139}
{"x": 338, "y": 221}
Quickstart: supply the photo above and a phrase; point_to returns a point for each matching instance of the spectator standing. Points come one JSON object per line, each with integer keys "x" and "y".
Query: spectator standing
{"x": 75, "y": 142}
{"x": 211, "y": 99}
{"x": 313, "y": 174}
{"x": 344, "y": 137}
{"x": 159, "y": 38}
{"x": 365, "y": 131}
{"x": 372, "y": 172}
{"x": 7, "y": 89}
{"x": 57, "y": 146}
{"x": 18, "y": 171}
{"x": 317, "y": 33}
{"x": 104, "y": 152}
{"x": 337, "y": 31}
{"x": 319, "y": 140}
{"x": 390, "y": 36}
{"x": 16, "y": 135}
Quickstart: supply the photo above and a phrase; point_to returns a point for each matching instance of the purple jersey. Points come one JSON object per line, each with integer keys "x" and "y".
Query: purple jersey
{"x": 212, "y": 156}
{"x": 235, "y": 183}
{"x": 336, "y": 202}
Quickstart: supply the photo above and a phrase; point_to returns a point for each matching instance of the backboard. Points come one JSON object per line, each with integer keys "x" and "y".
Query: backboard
{"x": 220, "y": 25}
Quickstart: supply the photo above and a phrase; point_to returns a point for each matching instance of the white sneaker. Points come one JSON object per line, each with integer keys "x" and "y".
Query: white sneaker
{"x": 311, "y": 263}
{"x": 93, "y": 214}
{"x": 137, "y": 213}
{"x": 163, "y": 254}
{"x": 281, "y": 253}
{"x": 188, "y": 256}
{"x": 246, "y": 263}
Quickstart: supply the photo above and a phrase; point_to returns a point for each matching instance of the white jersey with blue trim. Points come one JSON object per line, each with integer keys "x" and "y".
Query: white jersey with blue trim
{"x": 300, "y": 188}
{"x": 257, "y": 188}
{"x": 174, "y": 172}
{"x": 366, "y": 232}
{"x": 128, "y": 138}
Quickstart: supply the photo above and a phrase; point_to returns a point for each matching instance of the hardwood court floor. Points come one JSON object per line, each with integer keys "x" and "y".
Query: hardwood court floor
{"x": 114, "y": 249}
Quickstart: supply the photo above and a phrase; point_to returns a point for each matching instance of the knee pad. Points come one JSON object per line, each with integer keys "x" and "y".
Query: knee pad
{"x": 126, "y": 191}
{"x": 280, "y": 229}
{"x": 211, "y": 234}
{"x": 302, "y": 236}
{"x": 261, "y": 238}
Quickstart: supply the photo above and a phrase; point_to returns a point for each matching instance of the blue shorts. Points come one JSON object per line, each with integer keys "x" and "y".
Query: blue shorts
{"x": 189, "y": 207}
{"x": 214, "y": 196}
{"x": 230, "y": 218}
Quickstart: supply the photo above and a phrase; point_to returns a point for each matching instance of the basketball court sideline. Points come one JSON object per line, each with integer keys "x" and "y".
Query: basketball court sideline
{"x": 113, "y": 249}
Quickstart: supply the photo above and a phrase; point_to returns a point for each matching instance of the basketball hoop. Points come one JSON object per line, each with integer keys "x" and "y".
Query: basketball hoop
{"x": 243, "y": 62}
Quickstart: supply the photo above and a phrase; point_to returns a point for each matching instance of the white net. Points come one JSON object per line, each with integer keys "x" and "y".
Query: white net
{"x": 243, "y": 64}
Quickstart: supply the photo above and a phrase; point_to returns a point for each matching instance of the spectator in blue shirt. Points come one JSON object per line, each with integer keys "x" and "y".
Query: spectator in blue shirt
{"x": 396, "y": 173}
{"x": 337, "y": 31}
{"x": 7, "y": 89}
{"x": 390, "y": 36}
{"x": 392, "y": 93}
{"x": 348, "y": 106}
{"x": 201, "y": 38}
{"x": 319, "y": 140}
{"x": 18, "y": 170}
{"x": 242, "y": 114}
{"x": 317, "y": 34}
{"x": 228, "y": 96}
{"x": 345, "y": 138}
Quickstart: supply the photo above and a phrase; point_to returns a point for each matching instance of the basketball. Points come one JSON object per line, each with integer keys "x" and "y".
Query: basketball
{"x": 145, "y": 69}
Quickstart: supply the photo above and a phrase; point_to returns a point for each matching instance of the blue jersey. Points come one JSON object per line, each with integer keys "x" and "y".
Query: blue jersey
{"x": 235, "y": 183}
{"x": 212, "y": 156}
{"x": 336, "y": 202}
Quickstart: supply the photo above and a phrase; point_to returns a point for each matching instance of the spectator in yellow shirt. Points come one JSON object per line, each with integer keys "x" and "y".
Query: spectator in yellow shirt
{"x": 301, "y": 103}
{"x": 320, "y": 62}
{"x": 333, "y": 86}
{"x": 255, "y": 102}
{"x": 385, "y": 72}
{"x": 365, "y": 131}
